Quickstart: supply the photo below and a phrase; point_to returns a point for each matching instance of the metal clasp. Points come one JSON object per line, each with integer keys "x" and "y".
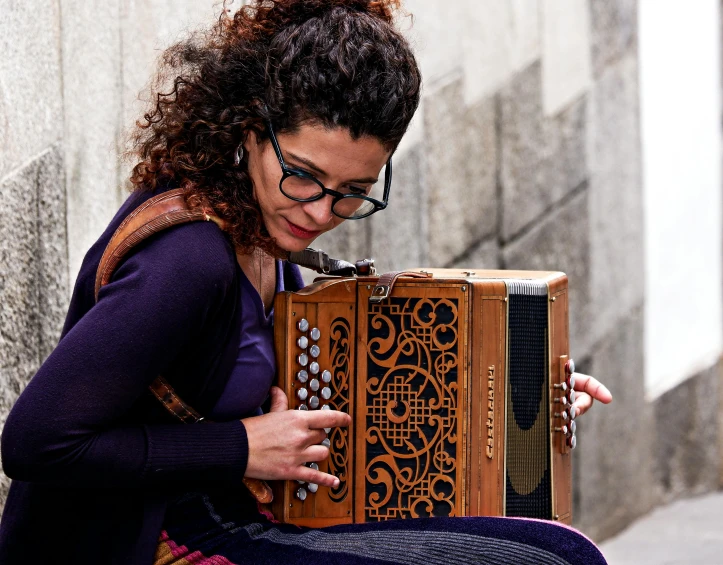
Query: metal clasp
{"x": 380, "y": 293}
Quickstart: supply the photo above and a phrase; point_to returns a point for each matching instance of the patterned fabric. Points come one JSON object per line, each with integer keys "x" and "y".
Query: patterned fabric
{"x": 217, "y": 530}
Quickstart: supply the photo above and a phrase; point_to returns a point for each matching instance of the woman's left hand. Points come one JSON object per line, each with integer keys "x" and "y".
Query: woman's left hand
{"x": 587, "y": 390}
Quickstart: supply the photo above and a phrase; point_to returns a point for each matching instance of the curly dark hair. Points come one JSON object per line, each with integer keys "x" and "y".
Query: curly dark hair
{"x": 339, "y": 63}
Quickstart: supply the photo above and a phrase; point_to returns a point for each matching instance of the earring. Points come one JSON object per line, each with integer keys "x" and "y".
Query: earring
{"x": 238, "y": 155}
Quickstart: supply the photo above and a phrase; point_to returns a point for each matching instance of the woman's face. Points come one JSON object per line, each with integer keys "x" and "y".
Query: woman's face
{"x": 332, "y": 156}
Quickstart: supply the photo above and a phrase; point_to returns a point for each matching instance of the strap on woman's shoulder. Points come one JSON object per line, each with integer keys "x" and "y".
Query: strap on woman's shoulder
{"x": 155, "y": 214}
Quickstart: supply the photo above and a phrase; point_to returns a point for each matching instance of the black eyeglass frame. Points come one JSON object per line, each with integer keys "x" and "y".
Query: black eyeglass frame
{"x": 337, "y": 196}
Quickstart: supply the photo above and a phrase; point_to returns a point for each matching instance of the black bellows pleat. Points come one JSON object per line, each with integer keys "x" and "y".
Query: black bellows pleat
{"x": 528, "y": 480}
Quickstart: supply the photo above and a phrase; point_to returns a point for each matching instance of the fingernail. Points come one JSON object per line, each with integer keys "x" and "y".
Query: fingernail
{"x": 336, "y": 483}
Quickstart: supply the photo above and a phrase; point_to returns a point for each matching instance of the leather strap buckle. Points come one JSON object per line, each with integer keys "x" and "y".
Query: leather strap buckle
{"x": 384, "y": 285}
{"x": 380, "y": 293}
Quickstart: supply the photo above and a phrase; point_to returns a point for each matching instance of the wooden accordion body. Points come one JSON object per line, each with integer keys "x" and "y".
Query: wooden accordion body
{"x": 455, "y": 387}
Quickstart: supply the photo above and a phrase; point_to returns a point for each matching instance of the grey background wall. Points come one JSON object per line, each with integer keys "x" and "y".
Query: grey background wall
{"x": 526, "y": 153}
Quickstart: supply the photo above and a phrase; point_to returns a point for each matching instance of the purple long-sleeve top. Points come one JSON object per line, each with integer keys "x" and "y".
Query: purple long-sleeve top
{"x": 92, "y": 455}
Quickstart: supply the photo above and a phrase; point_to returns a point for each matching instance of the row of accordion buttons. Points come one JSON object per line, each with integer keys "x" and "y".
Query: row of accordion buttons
{"x": 310, "y": 372}
{"x": 567, "y": 414}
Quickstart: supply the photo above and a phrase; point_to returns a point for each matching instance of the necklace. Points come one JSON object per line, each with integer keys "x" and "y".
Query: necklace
{"x": 251, "y": 262}
{"x": 260, "y": 279}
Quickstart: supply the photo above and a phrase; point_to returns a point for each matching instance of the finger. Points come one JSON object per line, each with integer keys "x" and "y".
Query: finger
{"x": 582, "y": 404}
{"x": 327, "y": 418}
{"x": 315, "y": 453}
{"x": 593, "y": 387}
{"x": 316, "y": 436}
{"x": 309, "y": 475}
{"x": 279, "y": 402}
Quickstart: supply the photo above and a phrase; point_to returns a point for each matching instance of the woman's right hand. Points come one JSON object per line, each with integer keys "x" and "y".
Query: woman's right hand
{"x": 281, "y": 441}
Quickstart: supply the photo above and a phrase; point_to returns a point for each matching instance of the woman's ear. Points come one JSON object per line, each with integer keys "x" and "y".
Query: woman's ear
{"x": 252, "y": 142}
{"x": 245, "y": 143}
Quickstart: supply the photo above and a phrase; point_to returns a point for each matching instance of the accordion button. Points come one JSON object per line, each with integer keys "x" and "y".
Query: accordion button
{"x": 572, "y": 411}
{"x": 326, "y": 442}
{"x": 301, "y": 494}
{"x": 315, "y": 334}
{"x": 326, "y": 407}
{"x": 327, "y": 430}
{"x": 326, "y": 393}
{"x": 570, "y": 367}
{"x": 314, "y": 368}
{"x": 303, "y": 407}
{"x": 303, "y": 325}
{"x": 573, "y": 426}
{"x": 313, "y": 466}
{"x": 572, "y": 442}
{"x": 563, "y": 430}
{"x": 571, "y": 381}
{"x": 303, "y": 359}
{"x": 302, "y": 376}
{"x": 314, "y": 402}
{"x": 303, "y": 394}
{"x": 303, "y": 342}
{"x": 562, "y": 415}
{"x": 314, "y": 350}
{"x": 314, "y": 384}
{"x": 562, "y": 400}
{"x": 326, "y": 376}
{"x": 313, "y": 487}
{"x": 571, "y": 396}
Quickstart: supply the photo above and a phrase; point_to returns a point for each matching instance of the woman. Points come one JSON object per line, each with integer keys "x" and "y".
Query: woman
{"x": 100, "y": 474}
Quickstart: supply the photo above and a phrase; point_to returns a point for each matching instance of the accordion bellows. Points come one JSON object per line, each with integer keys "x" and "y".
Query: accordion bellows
{"x": 456, "y": 388}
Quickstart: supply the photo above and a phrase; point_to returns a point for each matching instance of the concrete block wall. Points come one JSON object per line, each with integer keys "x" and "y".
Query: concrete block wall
{"x": 720, "y": 380}
{"x": 33, "y": 242}
{"x": 525, "y": 153}
{"x": 109, "y": 50}
{"x": 70, "y": 78}
{"x": 682, "y": 196}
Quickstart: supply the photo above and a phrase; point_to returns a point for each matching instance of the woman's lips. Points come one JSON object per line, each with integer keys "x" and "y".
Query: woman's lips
{"x": 298, "y": 231}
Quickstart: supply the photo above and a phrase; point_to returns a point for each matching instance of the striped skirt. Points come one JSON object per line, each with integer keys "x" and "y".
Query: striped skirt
{"x": 206, "y": 529}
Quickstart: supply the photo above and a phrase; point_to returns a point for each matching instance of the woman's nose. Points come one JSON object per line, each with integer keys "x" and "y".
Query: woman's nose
{"x": 320, "y": 210}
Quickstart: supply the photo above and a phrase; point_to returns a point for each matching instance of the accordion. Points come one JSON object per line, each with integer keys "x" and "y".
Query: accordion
{"x": 459, "y": 386}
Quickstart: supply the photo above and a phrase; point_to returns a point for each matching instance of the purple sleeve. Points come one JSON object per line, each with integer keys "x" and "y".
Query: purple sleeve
{"x": 64, "y": 427}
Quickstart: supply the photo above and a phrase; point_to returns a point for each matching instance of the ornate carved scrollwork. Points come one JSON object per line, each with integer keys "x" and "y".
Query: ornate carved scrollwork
{"x": 411, "y": 399}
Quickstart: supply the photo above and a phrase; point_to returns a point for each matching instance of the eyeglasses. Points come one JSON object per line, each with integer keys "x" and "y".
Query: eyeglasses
{"x": 349, "y": 202}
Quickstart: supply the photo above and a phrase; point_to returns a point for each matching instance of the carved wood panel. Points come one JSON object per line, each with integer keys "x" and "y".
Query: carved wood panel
{"x": 413, "y": 451}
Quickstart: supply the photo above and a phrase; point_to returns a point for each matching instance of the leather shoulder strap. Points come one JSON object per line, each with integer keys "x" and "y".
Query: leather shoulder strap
{"x": 154, "y": 215}
{"x": 173, "y": 403}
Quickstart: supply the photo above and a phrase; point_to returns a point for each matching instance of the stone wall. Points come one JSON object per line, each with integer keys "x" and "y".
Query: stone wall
{"x": 540, "y": 169}
{"x": 33, "y": 240}
{"x": 525, "y": 153}
{"x": 69, "y": 82}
